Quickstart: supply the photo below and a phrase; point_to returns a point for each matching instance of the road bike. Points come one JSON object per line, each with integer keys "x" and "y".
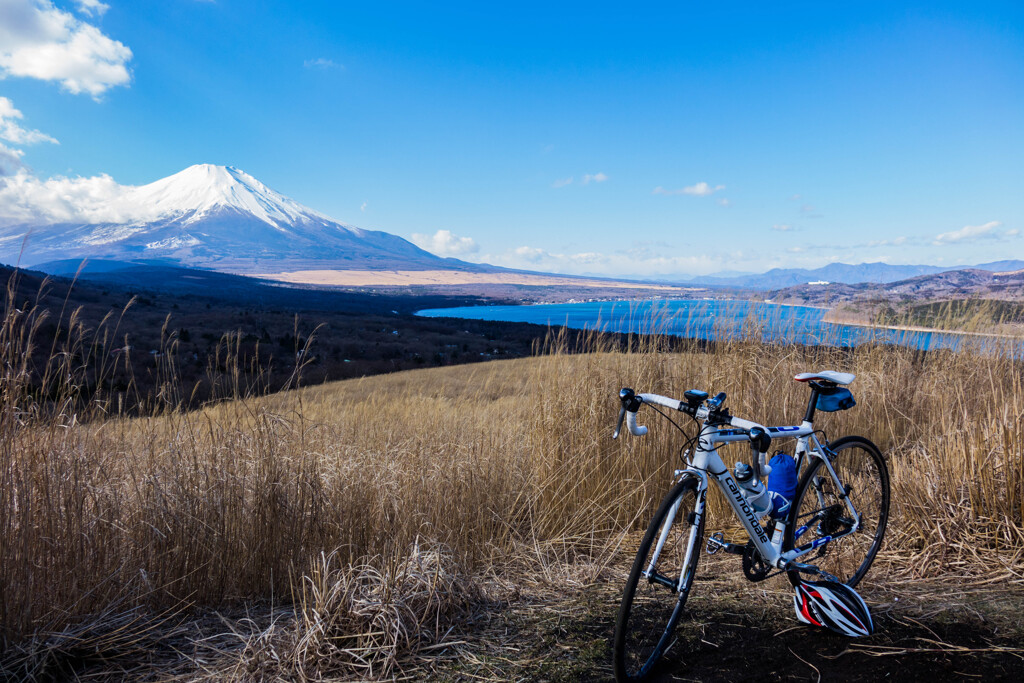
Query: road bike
{"x": 832, "y": 529}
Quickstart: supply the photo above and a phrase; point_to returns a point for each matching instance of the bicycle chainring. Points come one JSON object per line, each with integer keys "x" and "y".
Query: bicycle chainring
{"x": 754, "y": 566}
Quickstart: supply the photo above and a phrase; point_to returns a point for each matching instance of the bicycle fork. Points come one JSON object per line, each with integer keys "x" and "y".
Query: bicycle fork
{"x": 694, "y": 521}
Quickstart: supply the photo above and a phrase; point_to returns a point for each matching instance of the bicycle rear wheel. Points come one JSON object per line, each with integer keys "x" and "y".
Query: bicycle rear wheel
{"x": 819, "y": 510}
{"x": 651, "y": 606}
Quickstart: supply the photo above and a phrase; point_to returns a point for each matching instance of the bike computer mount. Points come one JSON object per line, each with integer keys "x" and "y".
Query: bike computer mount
{"x": 694, "y": 397}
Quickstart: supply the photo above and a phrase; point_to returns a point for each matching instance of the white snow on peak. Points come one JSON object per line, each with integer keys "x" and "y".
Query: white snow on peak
{"x": 205, "y": 188}
{"x": 174, "y": 242}
{"x": 184, "y": 197}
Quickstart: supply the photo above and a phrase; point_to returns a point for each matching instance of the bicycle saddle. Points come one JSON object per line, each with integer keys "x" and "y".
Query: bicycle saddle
{"x": 828, "y": 375}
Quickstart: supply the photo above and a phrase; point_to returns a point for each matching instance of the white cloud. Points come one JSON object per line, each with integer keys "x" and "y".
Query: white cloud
{"x": 10, "y": 161}
{"x": 446, "y": 243}
{"x": 782, "y": 227}
{"x": 14, "y": 133}
{"x": 894, "y": 242}
{"x": 635, "y": 261}
{"x": 322, "y": 63}
{"x": 37, "y": 40}
{"x": 362, "y": 207}
{"x": 585, "y": 180}
{"x": 723, "y": 202}
{"x": 530, "y": 254}
{"x": 11, "y": 131}
{"x": 701, "y": 189}
{"x": 27, "y": 199}
{"x": 92, "y": 7}
{"x": 969, "y": 233}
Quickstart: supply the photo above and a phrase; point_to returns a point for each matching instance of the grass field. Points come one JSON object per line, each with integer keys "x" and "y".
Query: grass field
{"x": 399, "y": 525}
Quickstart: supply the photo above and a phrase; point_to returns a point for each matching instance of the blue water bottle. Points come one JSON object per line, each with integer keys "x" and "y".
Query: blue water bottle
{"x": 781, "y": 484}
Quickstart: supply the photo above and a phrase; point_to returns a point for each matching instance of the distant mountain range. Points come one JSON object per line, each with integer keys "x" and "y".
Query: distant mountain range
{"x": 779, "y": 278}
{"x": 220, "y": 218}
{"x": 995, "y": 283}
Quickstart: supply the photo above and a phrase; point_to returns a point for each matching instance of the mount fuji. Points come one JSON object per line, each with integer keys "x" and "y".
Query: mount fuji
{"x": 215, "y": 217}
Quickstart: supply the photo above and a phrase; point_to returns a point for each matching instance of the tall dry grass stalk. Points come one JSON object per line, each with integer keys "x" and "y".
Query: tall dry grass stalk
{"x": 371, "y": 504}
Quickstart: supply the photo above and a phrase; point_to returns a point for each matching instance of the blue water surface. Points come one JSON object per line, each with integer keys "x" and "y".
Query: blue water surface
{"x": 705, "y": 319}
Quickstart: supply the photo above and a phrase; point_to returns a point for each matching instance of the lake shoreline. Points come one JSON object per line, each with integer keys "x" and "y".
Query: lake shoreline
{"x": 850, "y": 322}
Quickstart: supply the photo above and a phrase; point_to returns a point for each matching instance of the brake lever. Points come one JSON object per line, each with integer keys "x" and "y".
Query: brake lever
{"x": 618, "y": 425}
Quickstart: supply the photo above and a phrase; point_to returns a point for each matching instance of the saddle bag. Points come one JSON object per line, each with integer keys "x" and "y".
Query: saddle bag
{"x": 835, "y": 398}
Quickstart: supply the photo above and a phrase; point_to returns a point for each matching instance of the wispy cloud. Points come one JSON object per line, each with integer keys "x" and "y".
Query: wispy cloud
{"x": 894, "y": 242}
{"x": 12, "y": 132}
{"x": 362, "y": 206}
{"x": 38, "y": 40}
{"x": 782, "y": 227}
{"x": 585, "y": 179}
{"x": 969, "y": 233}
{"x": 322, "y": 63}
{"x": 446, "y": 243}
{"x": 10, "y": 160}
{"x": 637, "y": 260}
{"x": 701, "y": 189}
{"x": 92, "y": 7}
{"x": 870, "y": 244}
{"x": 530, "y": 254}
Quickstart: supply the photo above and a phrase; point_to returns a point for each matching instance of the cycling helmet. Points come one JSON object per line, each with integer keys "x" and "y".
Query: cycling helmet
{"x": 834, "y": 606}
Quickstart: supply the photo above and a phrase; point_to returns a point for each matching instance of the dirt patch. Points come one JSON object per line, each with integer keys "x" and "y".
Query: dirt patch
{"x": 925, "y": 631}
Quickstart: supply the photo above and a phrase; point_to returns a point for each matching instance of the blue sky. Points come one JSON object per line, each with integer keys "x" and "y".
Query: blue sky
{"x": 670, "y": 139}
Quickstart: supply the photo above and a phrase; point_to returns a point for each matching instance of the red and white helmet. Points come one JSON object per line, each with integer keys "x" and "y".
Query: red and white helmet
{"x": 834, "y": 606}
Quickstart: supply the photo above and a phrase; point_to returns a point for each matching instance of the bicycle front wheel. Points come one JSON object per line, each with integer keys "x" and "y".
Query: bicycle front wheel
{"x": 658, "y": 584}
{"x": 820, "y": 511}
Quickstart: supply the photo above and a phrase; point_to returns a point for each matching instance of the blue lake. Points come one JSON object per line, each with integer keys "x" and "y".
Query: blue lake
{"x": 707, "y": 319}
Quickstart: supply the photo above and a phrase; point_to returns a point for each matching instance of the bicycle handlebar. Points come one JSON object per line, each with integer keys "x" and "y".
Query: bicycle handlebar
{"x": 760, "y": 438}
{"x": 634, "y": 428}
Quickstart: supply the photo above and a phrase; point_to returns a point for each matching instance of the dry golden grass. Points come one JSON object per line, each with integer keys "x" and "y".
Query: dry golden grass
{"x": 373, "y": 507}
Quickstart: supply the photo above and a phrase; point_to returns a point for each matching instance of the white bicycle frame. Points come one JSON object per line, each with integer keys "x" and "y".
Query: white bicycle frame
{"x": 705, "y": 461}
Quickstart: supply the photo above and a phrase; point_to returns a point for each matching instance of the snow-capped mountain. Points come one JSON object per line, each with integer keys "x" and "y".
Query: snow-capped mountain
{"x": 216, "y": 217}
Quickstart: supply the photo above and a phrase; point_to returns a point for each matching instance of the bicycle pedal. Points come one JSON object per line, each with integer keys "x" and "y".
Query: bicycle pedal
{"x": 716, "y": 542}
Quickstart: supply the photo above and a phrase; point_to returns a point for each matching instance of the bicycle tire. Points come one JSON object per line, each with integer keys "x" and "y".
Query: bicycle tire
{"x": 646, "y": 603}
{"x": 861, "y": 467}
